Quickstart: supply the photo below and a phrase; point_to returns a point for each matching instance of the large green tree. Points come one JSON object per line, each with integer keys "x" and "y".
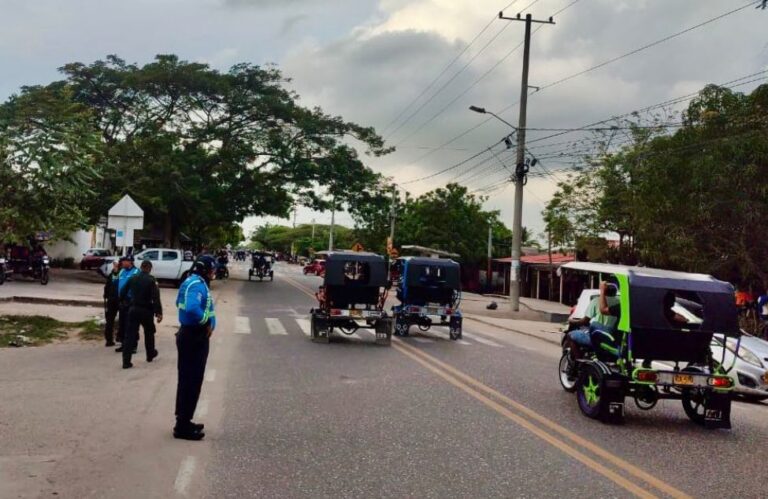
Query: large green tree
{"x": 201, "y": 149}
{"x": 49, "y": 162}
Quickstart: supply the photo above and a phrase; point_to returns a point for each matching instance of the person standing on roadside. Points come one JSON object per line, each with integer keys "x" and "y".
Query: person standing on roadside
{"x": 128, "y": 271}
{"x": 198, "y": 320}
{"x": 111, "y": 304}
{"x": 145, "y": 306}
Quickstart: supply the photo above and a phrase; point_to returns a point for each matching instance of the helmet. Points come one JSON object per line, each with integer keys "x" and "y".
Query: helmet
{"x": 203, "y": 265}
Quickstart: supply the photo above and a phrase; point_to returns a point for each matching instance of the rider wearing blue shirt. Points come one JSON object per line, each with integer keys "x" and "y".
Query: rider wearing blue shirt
{"x": 198, "y": 320}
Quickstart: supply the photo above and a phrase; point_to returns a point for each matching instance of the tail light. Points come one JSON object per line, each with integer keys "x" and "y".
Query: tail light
{"x": 720, "y": 382}
{"x": 335, "y": 311}
{"x": 448, "y": 311}
{"x": 647, "y": 376}
{"x": 415, "y": 309}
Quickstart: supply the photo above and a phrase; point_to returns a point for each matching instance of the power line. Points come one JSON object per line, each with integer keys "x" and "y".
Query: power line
{"x": 445, "y": 70}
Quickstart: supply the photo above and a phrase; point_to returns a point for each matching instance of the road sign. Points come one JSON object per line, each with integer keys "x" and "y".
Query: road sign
{"x": 358, "y": 247}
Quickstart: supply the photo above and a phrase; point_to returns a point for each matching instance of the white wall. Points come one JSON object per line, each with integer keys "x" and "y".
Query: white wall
{"x": 81, "y": 241}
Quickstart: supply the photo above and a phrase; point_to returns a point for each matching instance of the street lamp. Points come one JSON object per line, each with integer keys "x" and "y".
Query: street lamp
{"x": 482, "y": 110}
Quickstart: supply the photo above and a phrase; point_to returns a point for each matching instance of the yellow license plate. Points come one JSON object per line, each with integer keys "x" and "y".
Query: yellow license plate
{"x": 682, "y": 379}
{"x": 355, "y": 313}
{"x": 765, "y": 377}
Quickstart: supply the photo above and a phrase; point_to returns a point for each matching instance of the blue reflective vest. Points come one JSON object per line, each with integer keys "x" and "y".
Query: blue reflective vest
{"x": 195, "y": 303}
{"x": 123, "y": 278}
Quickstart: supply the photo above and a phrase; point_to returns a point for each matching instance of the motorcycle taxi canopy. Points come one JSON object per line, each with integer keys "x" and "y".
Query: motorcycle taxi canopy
{"x": 645, "y": 318}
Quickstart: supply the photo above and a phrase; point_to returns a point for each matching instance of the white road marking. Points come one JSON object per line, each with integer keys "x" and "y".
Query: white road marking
{"x": 305, "y": 325}
{"x": 463, "y": 342}
{"x": 242, "y": 325}
{"x": 210, "y": 375}
{"x": 422, "y": 340}
{"x": 184, "y": 476}
{"x": 202, "y": 408}
{"x": 275, "y": 327}
{"x": 482, "y": 340}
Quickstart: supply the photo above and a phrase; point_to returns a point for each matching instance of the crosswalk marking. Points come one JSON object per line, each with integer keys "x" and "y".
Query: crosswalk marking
{"x": 305, "y": 325}
{"x": 275, "y": 327}
{"x": 242, "y": 325}
{"x": 422, "y": 340}
{"x": 482, "y": 340}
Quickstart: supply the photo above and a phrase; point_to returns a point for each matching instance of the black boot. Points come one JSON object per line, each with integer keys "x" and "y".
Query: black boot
{"x": 188, "y": 431}
{"x": 151, "y": 356}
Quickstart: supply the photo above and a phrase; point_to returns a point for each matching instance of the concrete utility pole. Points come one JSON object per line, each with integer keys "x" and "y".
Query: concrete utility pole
{"x": 392, "y": 216}
{"x": 521, "y": 168}
{"x": 490, "y": 257}
{"x": 333, "y": 219}
{"x": 313, "y": 233}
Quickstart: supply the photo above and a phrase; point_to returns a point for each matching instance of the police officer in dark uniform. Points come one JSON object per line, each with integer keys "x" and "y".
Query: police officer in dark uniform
{"x": 145, "y": 306}
{"x": 198, "y": 320}
{"x": 127, "y": 271}
{"x": 111, "y": 304}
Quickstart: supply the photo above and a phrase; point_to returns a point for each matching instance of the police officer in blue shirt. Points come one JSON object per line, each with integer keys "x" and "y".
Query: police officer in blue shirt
{"x": 128, "y": 271}
{"x": 198, "y": 320}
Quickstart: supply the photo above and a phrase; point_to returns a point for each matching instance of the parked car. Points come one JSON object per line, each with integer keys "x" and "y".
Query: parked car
{"x": 167, "y": 264}
{"x": 750, "y": 370}
{"x": 316, "y": 267}
{"x": 94, "y": 258}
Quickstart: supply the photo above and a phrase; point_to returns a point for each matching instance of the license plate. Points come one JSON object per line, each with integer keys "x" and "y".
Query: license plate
{"x": 433, "y": 311}
{"x": 682, "y": 379}
{"x": 355, "y": 313}
{"x": 765, "y": 377}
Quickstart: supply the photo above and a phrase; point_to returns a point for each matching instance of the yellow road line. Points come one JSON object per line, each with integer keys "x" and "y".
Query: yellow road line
{"x": 466, "y": 383}
{"x": 547, "y": 437}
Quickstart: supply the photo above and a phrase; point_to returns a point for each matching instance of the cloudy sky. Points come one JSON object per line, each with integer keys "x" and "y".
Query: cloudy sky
{"x": 369, "y": 60}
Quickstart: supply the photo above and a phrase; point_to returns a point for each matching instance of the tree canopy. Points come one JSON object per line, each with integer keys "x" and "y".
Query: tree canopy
{"x": 198, "y": 149}
{"x": 692, "y": 200}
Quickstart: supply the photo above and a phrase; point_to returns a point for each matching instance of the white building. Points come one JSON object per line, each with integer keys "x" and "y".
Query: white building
{"x": 79, "y": 243}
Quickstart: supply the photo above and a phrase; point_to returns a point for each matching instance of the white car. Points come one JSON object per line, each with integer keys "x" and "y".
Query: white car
{"x": 167, "y": 264}
{"x": 750, "y": 364}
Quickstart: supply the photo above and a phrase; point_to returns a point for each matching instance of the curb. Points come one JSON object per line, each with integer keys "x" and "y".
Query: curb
{"x": 553, "y": 340}
{"x": 52, "y": 301}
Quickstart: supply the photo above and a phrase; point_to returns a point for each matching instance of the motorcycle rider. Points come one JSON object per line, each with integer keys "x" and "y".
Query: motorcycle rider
{"x": 601, "y": 314}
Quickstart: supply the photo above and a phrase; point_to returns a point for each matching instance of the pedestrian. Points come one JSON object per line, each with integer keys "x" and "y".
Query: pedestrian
{"x": 128, "y": 271}
{"x": 145, "y": 306}
{"x": 198, "y": 320}
{"x": 111, "y": 303}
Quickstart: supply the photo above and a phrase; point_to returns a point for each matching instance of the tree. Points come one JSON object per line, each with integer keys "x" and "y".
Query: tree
{"x": 283, "y": 239}
{"x": 450, "y": 219}
{"x": 49, "y": 158}
{"x": 199, "y": 149}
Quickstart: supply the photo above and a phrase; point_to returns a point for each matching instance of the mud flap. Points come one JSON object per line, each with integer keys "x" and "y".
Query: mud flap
{"x": 717, "y": 410}
{"x": 614, "y": 390}
{"x": 320, "y": 330}
{"x": 384, "y": 332}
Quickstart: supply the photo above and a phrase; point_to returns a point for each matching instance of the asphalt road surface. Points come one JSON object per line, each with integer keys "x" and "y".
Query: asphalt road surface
{"x": 285, "y": 417}
{"x": 428, "y": 417}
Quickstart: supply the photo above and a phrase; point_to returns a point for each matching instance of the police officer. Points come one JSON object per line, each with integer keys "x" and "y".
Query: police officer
{"x": 111, "y": 304}
{"x": 198, "y": 320}
{"x": 128, "y": 271}
{"x": 144, "y": 303}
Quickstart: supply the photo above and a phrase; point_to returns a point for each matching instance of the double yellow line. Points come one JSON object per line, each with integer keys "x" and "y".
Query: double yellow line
{"x": 554, "y": 434}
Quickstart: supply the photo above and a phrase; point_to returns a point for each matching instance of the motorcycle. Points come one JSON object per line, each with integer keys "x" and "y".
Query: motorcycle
{"x": 222, "y": 272}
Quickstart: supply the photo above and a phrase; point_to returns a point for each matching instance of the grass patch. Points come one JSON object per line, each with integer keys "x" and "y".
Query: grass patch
{"x": 36, "y": 330}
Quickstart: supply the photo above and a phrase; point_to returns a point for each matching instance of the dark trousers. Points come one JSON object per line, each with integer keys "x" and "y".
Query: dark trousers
{"x": 110, "y": 313}
{"x": 122, "y": 323}
{"x": 138, "y": 316}
{"x": 192, "y": 344}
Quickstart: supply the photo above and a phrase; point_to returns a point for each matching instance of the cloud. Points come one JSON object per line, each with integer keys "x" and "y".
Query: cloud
{"x": 290, "y": 23}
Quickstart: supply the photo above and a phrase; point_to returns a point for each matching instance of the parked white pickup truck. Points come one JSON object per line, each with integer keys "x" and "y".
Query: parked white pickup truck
{"x": 167, "y": 264}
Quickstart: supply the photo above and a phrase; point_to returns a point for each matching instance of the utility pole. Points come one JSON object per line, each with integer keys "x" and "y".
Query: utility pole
{"x": 392, "y": 217}
{"x": 294, "y": 216}
{"x": 521, "y": 168}
{"x": 490, "y": 257}
{"x": 312, "y": 244}
{"x": 333, "y": 219}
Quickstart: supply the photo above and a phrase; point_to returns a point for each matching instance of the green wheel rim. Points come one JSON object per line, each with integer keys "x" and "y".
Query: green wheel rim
{"x": 591, "y": 392}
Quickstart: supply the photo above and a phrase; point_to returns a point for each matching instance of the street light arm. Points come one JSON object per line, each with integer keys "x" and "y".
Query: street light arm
{"x": 483, "y": 110}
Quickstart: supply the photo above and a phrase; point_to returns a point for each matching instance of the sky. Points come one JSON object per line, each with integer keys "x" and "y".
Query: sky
{"x": 412, "y": 68}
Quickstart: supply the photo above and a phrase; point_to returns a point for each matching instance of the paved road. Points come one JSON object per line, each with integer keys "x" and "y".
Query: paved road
{"x": 285, "y": 417}
{"x": 433, "y": 418}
